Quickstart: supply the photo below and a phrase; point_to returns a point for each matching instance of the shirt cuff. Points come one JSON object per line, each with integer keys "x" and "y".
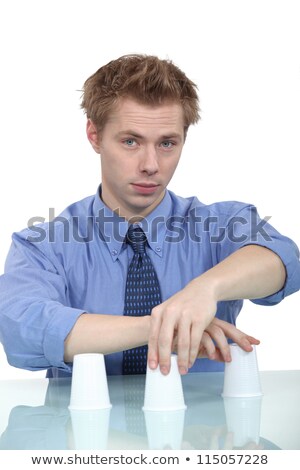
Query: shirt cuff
{"x": 57, "y": 331}
{"x": 291, "y": 284}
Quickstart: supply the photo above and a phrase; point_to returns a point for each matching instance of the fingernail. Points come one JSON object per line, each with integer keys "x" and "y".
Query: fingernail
{"x": 247, "y": 345}
{"x": 164, "y": 370}
{"x": 182, "y": 370}
{"x": 152, "y": 364}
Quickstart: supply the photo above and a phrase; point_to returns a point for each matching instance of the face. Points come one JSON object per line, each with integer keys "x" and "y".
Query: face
{"x": 140, "y": 147}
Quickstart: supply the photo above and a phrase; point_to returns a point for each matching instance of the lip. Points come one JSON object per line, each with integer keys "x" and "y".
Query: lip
{"x": 145, "y": 188}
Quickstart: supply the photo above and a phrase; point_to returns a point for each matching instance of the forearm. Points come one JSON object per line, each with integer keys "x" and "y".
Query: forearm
{"x": 95, "y": 333}
{"x": 252, "y": 272}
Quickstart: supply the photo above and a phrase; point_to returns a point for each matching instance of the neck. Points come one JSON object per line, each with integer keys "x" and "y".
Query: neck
{"x": 129, "y": 214}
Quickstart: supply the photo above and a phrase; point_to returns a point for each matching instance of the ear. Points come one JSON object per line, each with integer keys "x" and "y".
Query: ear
{"x": 92, "y": 135}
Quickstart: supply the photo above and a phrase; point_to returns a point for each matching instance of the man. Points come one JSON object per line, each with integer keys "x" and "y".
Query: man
{"x": 135, "y": 264}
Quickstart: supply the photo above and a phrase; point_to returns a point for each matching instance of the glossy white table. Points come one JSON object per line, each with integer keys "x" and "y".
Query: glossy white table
{"x": 34, "y": 414}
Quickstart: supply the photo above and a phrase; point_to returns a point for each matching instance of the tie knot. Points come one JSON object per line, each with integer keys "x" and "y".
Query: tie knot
{"x": 136, "y": 238}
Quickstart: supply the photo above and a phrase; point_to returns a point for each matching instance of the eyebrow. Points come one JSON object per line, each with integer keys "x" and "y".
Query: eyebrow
{"x": 172, "y": 135}
{"x": 129, "y": 132}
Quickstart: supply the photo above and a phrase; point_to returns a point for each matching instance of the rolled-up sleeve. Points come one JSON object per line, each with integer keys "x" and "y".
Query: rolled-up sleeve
{"x": 247, "y": 228}
{"x": 35, "y": 315}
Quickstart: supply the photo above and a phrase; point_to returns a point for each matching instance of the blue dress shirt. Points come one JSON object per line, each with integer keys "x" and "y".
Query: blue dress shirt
{"x": 78, "y": 263}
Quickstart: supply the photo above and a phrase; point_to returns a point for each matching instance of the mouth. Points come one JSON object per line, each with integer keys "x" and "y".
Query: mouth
{"x": 145, "y": 188}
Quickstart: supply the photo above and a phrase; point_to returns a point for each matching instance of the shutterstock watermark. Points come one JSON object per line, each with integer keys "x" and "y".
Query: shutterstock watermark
{"x": 237, "y": 229}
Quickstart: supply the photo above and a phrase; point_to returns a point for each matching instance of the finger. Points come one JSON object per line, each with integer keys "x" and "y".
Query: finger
{"x": 246, "y": 342}
{"x": 218, "y": 335}
{"x": 183, "y": 347}
{"x": 174, "y": 343}
{"x": 155, "y": 324}
{"x": 217, "y": 356}
{"x": 165, "y": 340}
{"x": 253, "y": 340}
{"x": 207, "y": 347}
{"x": 196, "y": 336}
{"x": 237, "y": 336}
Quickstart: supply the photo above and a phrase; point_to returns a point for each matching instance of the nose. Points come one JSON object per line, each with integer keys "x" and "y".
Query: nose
{"x": 149, "y": 161}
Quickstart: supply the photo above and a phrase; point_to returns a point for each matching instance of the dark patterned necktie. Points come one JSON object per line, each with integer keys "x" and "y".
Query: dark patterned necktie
{"x": 141, "y": 296}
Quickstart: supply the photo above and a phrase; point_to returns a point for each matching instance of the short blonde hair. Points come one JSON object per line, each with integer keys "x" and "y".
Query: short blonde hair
{"x": 147, "y": 79}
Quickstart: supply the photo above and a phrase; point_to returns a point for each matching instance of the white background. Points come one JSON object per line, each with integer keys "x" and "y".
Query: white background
{"x": 244, "y": 56}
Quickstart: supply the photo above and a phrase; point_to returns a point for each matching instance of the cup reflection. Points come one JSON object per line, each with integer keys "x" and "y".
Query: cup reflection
{"x": 243, "y": 420}
{"x": 164, "y": 429}
{"x": 90, "y": 428}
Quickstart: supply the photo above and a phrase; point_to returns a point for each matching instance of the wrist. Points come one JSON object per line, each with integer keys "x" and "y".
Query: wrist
{"x": 209, "y": 285}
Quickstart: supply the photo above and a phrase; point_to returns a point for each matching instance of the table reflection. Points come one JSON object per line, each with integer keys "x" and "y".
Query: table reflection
{"x": 210, "y": 422}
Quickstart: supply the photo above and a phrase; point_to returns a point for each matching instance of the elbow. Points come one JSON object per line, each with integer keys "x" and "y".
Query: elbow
{"x": 280, "y": 274}
{"x": 25, "y": 361}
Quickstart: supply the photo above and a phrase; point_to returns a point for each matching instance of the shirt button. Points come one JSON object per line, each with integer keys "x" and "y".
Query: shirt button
{"x": 114, "y": 252}
{"x": 158, "y": 249}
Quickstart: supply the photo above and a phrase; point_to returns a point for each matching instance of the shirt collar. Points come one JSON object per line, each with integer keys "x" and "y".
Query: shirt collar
{"x": 113, "y": 228}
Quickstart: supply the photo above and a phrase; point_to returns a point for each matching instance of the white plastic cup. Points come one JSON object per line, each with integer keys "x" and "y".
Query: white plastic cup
{"x": 164, "y": 392}
{"x": 164, "y": 429}
{"x": 243, "y": 419}
{"x": 241, "y": 376}
{"x": 89, "y": 390}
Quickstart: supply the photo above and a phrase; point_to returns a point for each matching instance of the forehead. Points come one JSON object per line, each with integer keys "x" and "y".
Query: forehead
{"x": 129, "y": 112}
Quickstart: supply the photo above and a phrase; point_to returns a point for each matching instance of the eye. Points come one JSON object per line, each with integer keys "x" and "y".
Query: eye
{"x": 167, "y": 144}
{"x": 130, "y": 142}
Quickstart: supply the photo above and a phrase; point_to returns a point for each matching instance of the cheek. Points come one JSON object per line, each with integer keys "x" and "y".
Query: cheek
{"x": 108, "y": 160}
{"x": 170, "y": 167}
{"x": 117, "y": 171}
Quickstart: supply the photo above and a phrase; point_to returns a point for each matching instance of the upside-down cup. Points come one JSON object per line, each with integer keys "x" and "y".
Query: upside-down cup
{"x": 164, "y": 392}
{"x": 241, "y": 376}
{"x": 89, "y": 390}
